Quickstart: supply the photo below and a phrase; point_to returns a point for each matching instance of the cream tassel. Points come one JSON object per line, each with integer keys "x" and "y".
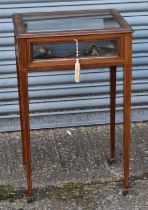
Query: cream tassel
{"x": 77, "y": 70}
{"x": 77, "y": 64}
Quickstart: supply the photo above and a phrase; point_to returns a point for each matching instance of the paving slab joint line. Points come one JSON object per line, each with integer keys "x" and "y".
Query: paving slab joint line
{"x": 11, "y": 193}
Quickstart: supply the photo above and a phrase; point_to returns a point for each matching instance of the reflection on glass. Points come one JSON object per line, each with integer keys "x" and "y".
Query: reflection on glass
{"x": 67, "y": 50}
{"x": 71, "y": 22}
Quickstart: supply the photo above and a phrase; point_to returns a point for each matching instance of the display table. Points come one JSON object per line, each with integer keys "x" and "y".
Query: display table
{"x": 74, "y": 40}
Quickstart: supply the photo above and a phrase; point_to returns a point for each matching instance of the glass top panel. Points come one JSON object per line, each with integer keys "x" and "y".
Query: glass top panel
{"x": 68, "y": 22}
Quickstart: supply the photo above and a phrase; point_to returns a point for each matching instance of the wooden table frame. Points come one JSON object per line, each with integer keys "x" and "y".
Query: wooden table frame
{"x": 24, "y": 62}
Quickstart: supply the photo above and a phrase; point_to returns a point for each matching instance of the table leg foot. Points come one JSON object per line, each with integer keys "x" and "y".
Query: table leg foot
{"x": 29, "y": 200}
{"x": 109, "y": 159}
{"x": 125, "y": 191}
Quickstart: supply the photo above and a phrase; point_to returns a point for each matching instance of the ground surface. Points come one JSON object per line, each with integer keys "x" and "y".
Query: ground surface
{"x": 71, "y": 170}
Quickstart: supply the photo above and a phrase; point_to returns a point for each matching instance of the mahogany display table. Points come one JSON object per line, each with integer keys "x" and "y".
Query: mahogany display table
{"x": 74, "y": 40}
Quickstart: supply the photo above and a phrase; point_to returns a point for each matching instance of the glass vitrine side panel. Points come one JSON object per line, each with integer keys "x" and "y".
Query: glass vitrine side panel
{"x": 69, "y": 22}
{"x": 99, "y": 48}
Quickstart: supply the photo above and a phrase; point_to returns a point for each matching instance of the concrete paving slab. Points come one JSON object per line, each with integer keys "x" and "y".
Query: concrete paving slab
{"x": 75, "y": 155}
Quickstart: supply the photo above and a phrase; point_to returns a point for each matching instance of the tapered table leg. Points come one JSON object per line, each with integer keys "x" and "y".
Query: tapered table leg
{"x": 126, "y": 123}
{"x": 20, "y": 108}
{"x": 26, "y": 128}
{"x": 112, "y": 111}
